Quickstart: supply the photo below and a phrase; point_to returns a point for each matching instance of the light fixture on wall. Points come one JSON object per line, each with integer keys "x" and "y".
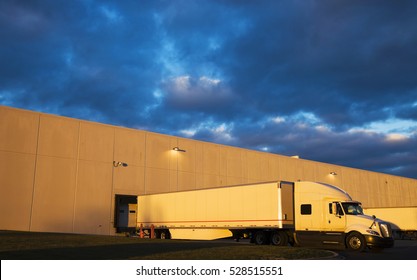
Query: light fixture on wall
{"x": 178, "y": 149}
{"x": 333, "y": 173}
{"x": 119, "y": 163}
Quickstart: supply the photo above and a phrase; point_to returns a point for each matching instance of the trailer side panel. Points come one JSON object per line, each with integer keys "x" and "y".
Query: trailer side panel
{"x": 247, "y": 206}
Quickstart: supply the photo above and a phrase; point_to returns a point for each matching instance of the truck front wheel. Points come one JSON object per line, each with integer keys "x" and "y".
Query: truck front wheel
{"x": 355, "y": 242}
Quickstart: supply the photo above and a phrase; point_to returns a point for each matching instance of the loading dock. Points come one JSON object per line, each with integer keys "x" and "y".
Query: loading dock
{"x": 125, "y": 213}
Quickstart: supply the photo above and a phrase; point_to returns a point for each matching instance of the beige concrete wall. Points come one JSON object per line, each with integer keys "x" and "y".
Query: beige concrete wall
{"x": 57, "y": 173}
{"x": 18, "y": 146}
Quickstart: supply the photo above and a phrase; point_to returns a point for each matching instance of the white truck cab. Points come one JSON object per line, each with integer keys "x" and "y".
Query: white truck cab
{"x": 362, "y": 229}
{"x": 334, "y": 218}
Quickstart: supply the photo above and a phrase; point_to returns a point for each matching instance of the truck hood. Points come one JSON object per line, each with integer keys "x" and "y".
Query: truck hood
{"x": 363, "y": 219}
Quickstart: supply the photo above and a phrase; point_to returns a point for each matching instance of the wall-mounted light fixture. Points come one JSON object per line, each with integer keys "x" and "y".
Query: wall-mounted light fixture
{"x": 178, "y": 149}
{"x": 119, "y": 163}
{"x": 333, "y": 173}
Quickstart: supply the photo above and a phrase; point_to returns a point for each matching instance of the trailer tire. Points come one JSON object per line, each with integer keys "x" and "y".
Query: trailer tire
{"x": 355, "y": 242}
{"x": 260, "y": 238}
{"x": 279, "y": 238}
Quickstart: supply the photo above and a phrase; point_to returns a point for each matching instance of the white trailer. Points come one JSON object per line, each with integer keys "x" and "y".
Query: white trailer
{"x": 278, "y": 213}
{"x": 403, "y": 219}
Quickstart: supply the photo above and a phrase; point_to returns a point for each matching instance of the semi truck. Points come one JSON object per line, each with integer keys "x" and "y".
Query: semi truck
{"x": 278, "y": 213}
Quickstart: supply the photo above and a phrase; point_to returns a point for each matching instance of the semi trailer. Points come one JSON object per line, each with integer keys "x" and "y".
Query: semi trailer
{"x": 403, "y": 220}
{"x": 277, "y": 213}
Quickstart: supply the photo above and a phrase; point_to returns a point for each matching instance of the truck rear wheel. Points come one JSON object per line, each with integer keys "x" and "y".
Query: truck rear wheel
{"x": 260, "y": 237}
{"x": 355, "y": 242}
{"x": 279, "y": 238}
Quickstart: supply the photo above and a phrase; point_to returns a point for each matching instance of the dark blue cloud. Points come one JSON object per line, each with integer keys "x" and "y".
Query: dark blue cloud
{"x": 332, "y": 81}
{"x": 341, "y": 57}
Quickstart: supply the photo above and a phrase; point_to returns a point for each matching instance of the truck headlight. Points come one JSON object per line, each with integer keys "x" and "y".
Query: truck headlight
{"x": 373, "y": 232}
{"x": 385, "y": 230}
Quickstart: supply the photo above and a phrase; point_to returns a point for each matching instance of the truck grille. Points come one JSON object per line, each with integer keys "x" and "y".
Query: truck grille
{"x": 385, "y": 230}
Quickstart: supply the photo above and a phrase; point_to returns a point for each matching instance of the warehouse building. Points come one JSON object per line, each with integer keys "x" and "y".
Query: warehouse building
{"x": 60, "y": 174}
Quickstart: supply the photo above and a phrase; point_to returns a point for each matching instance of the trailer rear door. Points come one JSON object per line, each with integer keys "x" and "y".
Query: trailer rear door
{"x": 287, "y": 203}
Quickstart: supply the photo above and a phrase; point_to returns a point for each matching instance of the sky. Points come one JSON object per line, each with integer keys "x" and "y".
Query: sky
{"x": 329, "y": 81}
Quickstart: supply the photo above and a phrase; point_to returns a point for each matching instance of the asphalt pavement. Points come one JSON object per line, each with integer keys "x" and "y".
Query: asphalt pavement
{"x": 402, "y": 250}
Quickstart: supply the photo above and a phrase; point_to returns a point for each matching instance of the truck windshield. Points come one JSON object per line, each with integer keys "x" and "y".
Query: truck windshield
{"x": 352, "y": 208}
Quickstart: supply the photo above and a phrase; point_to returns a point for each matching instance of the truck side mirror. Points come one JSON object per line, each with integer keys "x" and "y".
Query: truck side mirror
{"x": 337, "y": 210}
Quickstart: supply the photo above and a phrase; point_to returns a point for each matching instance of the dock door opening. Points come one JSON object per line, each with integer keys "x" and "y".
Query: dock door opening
{"x": 125, "y": 212}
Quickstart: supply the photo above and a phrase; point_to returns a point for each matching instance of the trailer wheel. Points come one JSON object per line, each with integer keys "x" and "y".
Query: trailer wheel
{"x": 260, "y": 237}
{"x": 279, "y": 238}
{"x": 355, "y": 242}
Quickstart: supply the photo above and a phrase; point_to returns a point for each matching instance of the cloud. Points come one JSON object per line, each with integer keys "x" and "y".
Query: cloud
{"x": 332, "y": 81}
{"x": 78, "y": 65}
{"x": 201, "y": 93}
{"x": 390, "y": 153}
{"x": 333, "y": 60}
{"x": 111, "y": 14}
{"x": 213, "y": 132}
